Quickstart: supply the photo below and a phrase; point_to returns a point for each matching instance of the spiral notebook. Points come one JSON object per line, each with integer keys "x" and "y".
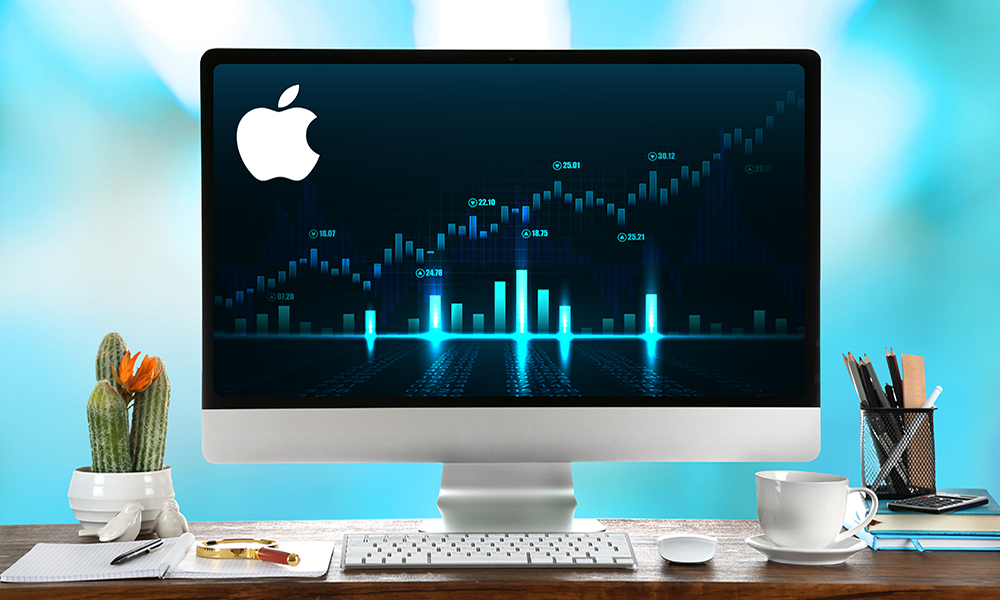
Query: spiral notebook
{"x": 90, "y": 562}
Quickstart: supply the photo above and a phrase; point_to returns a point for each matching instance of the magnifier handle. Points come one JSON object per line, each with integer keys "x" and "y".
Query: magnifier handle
{"x": 277, "y": 556}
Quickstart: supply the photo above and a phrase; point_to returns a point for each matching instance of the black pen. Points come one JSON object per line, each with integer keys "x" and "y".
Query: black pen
{"x": 137, "y": 552}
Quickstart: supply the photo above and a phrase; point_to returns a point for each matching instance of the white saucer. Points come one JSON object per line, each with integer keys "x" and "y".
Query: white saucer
{"x": 834, "y": 554}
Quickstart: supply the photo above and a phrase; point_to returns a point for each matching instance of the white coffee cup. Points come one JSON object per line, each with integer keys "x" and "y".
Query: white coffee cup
{"x": 798, "y": 509}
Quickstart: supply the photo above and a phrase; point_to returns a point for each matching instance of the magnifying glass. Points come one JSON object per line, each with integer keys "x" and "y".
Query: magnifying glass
{"x": 247, "y": 548}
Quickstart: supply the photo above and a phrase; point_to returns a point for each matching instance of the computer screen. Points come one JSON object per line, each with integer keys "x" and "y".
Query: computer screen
{"x": 456, "y": 243}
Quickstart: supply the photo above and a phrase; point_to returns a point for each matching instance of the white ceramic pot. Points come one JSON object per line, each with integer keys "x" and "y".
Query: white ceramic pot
{"x": 97, "y": 497}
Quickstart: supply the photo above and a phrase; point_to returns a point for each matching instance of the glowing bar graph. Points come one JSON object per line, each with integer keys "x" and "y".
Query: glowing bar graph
{"x": 694, "y": 324}
{"x": 608, "y": 326}
{"x": 629, "y": 323}
{"x": 283, "y": 318}
{"x": 543, "y": 311}
{"x": 521, "y": 300}
{"x": 564, "y": 320}
{"x": 499, "y": 307}
{"x": 478, "y": 323}
{"x": 650, "y": 313}
{"x": 758, "y": 322}
{"x": 435, "y": 313}
{"x": 369, "y": 322}
{"x": 456, "y": 318}
{"x": 313, "y": 257}
{"x": 440, "y": 245}
{"x": 348, "y": 323}
{"x": 261, "y": 324}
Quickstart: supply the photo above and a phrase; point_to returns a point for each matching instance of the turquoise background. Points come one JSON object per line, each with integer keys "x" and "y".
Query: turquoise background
{"x": 99, "y": 226}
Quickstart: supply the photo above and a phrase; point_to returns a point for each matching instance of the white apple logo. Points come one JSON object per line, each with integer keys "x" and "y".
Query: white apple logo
{"x": 273, "y": 143}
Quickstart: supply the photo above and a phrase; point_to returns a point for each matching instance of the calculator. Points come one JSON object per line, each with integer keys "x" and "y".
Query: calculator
{"x": 938, "y": 503}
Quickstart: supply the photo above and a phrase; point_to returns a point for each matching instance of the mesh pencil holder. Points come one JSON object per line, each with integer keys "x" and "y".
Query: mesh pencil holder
{"x": 897, "y": 451}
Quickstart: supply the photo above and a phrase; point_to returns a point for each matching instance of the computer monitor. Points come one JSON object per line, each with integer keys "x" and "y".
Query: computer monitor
{"x": 510, "y": 261}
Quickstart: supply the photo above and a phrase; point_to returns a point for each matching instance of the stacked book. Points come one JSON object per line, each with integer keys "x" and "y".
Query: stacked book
{"x": 976, "y": 528}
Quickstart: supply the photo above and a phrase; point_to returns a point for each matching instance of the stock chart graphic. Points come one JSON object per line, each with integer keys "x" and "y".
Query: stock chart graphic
{"x": 517, "y": 234}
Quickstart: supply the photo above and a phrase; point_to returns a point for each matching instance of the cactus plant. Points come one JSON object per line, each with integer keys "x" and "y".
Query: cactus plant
{"x": 109, "y": 356}
{"x": 108, "y": 417}
{"x": 148, "y": 437}
{"x": 116, "y": 448}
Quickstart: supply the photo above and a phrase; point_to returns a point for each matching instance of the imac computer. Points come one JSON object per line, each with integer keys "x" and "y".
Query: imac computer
{"x": 507, "y": 262}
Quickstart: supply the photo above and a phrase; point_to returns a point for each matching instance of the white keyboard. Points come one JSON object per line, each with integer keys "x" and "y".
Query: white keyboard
{"x": 487, "y": 550}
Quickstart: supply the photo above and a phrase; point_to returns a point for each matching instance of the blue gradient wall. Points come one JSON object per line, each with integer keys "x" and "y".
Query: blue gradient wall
{"x": 99, "y": 226}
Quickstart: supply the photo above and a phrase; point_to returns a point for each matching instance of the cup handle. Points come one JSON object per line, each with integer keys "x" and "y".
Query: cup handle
{"x": 868, "y": 518}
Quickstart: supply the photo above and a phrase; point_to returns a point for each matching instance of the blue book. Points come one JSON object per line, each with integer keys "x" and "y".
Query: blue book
{"x": 895, "y": 541}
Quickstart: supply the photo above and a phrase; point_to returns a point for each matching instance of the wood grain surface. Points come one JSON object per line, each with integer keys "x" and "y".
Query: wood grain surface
{"x": 737, "y": 571}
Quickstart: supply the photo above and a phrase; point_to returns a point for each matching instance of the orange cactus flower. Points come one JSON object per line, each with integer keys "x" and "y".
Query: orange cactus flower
{"x": 140, "y": 380}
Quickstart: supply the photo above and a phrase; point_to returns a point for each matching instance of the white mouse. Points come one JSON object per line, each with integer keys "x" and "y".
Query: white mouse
{"x": 688, "y": 548}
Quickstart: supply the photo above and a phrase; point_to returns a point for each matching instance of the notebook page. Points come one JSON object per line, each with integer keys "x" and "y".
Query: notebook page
{"x": 314, "y": 560}
{"x": 89, "y": 562}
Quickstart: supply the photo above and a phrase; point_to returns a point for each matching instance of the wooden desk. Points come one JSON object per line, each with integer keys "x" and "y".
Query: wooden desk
{"x": 737, "y": 571}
